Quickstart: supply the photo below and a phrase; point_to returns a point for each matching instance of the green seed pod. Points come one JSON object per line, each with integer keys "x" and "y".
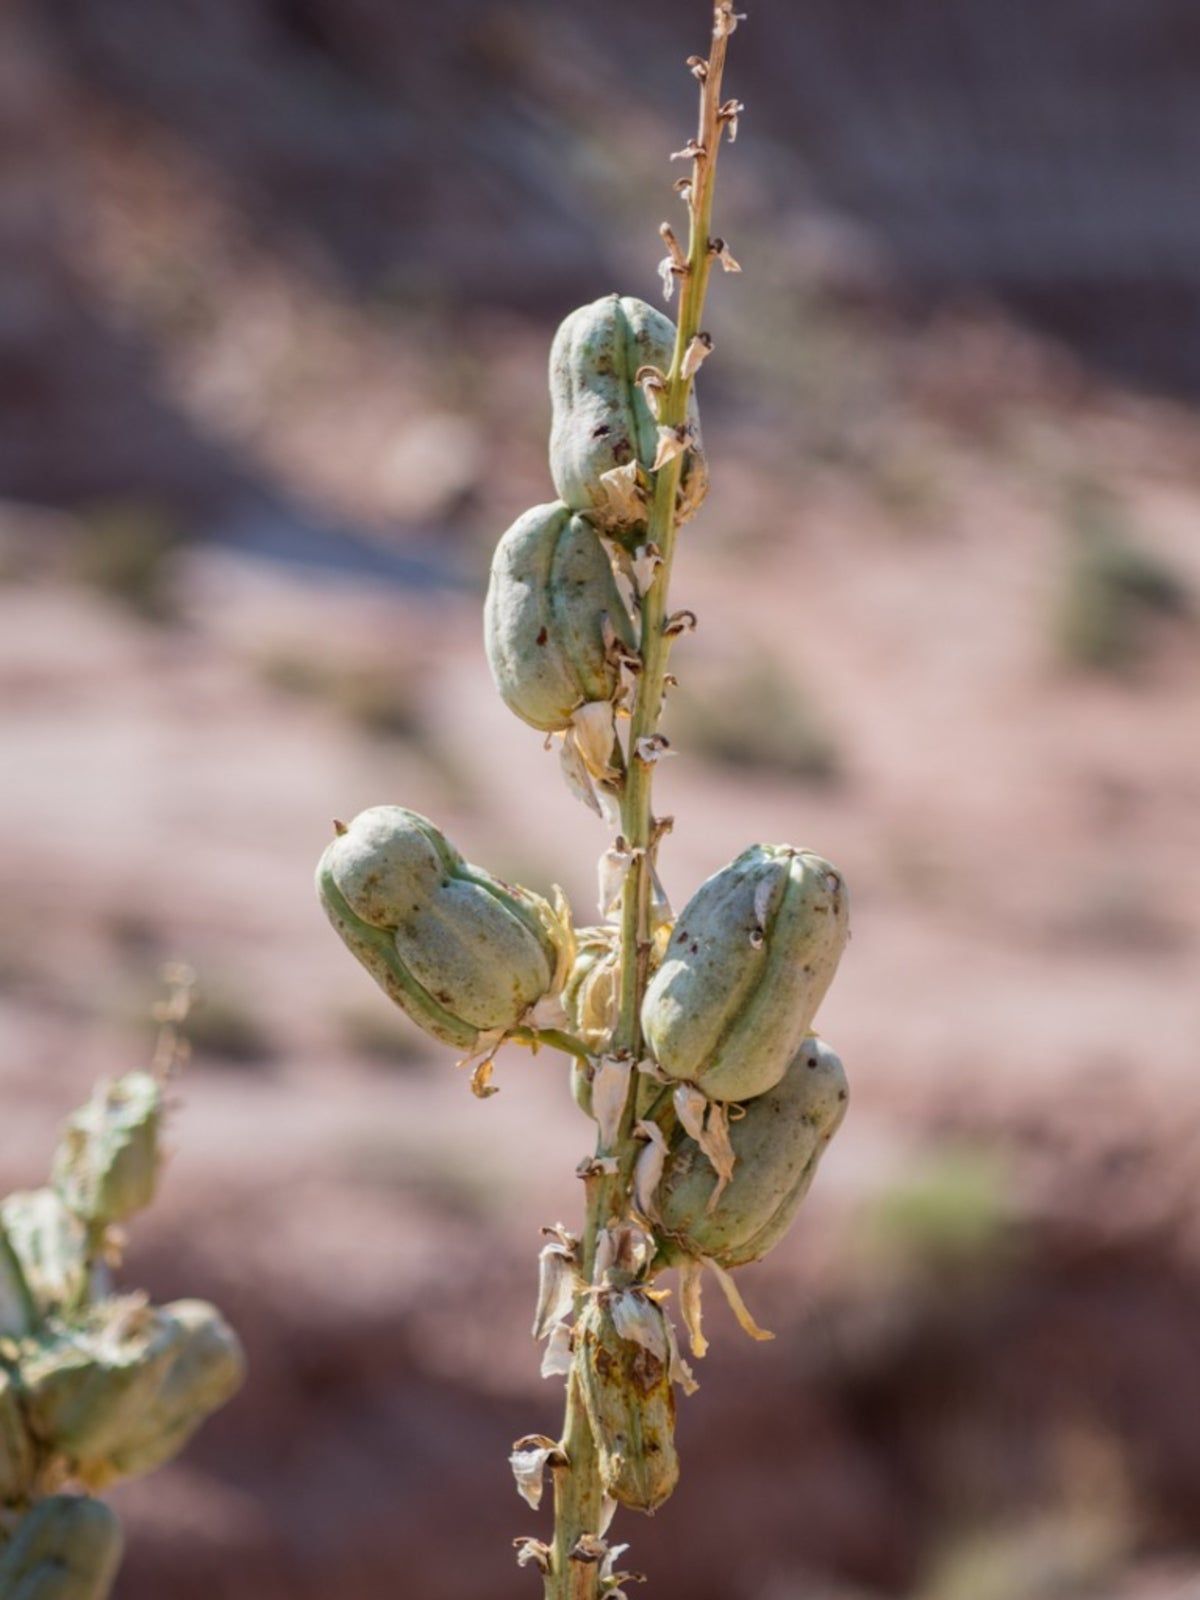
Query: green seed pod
{"x": 122, "y": 1392}
{"x": 106, "y": 1166}
{"x": 628, "y": 1396}
{"x": 66, "y": 1548}
{"x": 749, "y": 961}
{"x": 462, "y": 953}
{"x": 551, "y": 589}
{"x": 49, "y": 1243}
{"x": 17, "y": 1459}
{"x": 600, "y": 418}
{"x": 778, "y": 1144}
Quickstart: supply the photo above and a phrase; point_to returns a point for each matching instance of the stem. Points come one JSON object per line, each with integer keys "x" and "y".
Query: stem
{"x": 577, "y": 1491}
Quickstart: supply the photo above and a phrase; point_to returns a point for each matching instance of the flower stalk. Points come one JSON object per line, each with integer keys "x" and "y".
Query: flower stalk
{"x": 690, "y": 1038}
{"x": 578, "y": 1499}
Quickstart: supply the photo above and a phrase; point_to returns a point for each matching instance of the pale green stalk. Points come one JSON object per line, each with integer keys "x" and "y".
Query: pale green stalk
{"x": 577, "y": 1492}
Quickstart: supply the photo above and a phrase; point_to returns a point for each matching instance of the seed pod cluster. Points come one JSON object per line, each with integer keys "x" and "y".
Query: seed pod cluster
{"x": 727, "y": 1016}
{"x": 465, "y": 955}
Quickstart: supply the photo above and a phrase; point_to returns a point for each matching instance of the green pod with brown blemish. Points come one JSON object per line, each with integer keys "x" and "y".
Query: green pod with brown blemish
{"x": 67, "y": 1547}
{"x": 600, "y": 418}
{"x": 463, "y": 954}
{"x": 627, "y": 1393}
{"x": 550, "y": 592}
{"x": 777, "y": 1143}
{"x": 750, "y": 959}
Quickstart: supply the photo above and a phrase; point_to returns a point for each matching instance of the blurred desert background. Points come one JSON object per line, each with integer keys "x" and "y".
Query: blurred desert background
{"x": 277, "y": 284}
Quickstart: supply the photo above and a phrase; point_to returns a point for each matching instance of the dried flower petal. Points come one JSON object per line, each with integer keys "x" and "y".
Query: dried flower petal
{"x": 648, "y": 1169}
{"x": 717, "y": 1147}
{"x": 532, "y": 1552}
{"x": 637, "y": 1319}
{"x": 528, "y": 1462}
{"x": 575, "y": 772}
{"x": 556, "y": 1359}
{"x": 726, "y": 19}
{"x": 697, "y": 353}
{"x": 724, "y": 255}
{"x": 736, "y": 1304}
{"x": 623, "y": 489}
{"x": 677, "y": 1367}
{"x": 556, "y": 1287}
{"x": 729, "y": 114}
{"x": 653, "y": 384}
{"x": 613, "y": 869}
{"x": 690, "y": 1306}
{"x": 647, "y": 559}
{"x": 592, "y": 725}
{"x": 672, "y": 442}
{"x": 653, "y": 747}
{"x": 610, "y": 1089}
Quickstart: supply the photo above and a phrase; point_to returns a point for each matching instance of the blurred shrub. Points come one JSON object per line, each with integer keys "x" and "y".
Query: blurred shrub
{"x": 381, "y": 1038}
{"x": 1112, "y": 588}
{"x": 755, "y": 718}
{"x": 1062, "y": 1556}
{"x": 224, "y": 1026}
{"x": 947, "y": 1211}
{"x": 127, "y": 551}
{"x": 378, "y": 699}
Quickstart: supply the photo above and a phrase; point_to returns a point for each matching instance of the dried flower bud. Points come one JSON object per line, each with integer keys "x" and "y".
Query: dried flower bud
{"x": 601, "y": 418}
{"x": 550, "y": 595}
{"x": 592, "y": 988}
{"x": 626, "y": 1384}
{"x": 749, "y": 962}
{"x": 777, "y": 1145}
{"x": 67, "y": 1547}
{"x": 106, "y": 1166}
{"x": 462, "y": 953}
{"x": 122, "y": 1392}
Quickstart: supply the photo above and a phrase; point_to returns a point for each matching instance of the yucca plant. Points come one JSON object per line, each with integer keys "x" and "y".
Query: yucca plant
{"x": 690, "y": 1037}
{"x": 96, "y": 1384}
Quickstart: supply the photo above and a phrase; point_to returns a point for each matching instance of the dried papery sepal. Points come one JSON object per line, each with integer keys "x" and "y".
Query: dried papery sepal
{"x": 725, "y": 256}
{"x": 726, "y": 19}
{"x": 653, "y": 748}
{"x": 529, "y": 1459}
{"x": 728, "y": 115}
{"x": 696, "y": 354}
{"x": 680, "y": 622}
{"x": 672, "y": 442}
{"x": 532, "y": 1552}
